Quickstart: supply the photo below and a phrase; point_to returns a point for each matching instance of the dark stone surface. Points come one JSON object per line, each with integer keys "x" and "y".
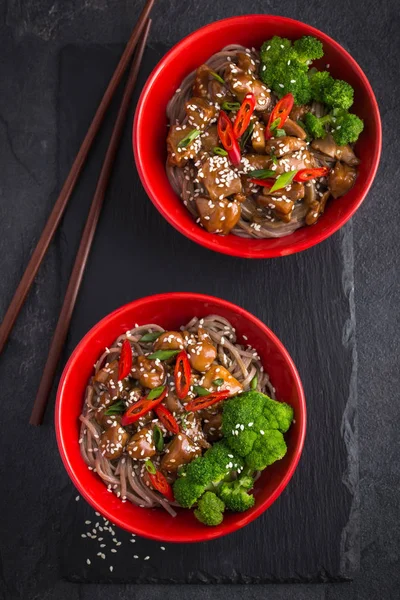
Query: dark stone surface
{"x": 32, "y": 33}
{"x": 321, "y": 504}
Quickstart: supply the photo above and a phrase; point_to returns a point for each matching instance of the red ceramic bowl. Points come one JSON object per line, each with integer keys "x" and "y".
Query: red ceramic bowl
{"x": 150, "y": 131}
{"x": 171, "y": 311}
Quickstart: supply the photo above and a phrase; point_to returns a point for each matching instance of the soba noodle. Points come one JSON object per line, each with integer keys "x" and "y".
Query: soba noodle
{"x": 182, "y": 179}
{"x": 124, "y": 476}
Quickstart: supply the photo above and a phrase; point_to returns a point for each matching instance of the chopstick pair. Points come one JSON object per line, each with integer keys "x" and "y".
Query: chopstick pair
{"x": 137, "y": 41}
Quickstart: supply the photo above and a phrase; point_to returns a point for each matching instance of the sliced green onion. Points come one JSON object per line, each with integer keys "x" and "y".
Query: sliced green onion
{"x": 188, "y": 139}
{"x": 280, "y": 133}
{"x": 220, "y": 151}
{"x": 150, "y": 467}
{"x": 116, "y": 409}
{"x": 156, "y": 392}
{"x": 217, "y": 77}
{"x": 151, "y": 336}
{"x": 274, "y": 124}
{"x": 230, "y": 106}
{"x": 262, "y": 173}
{"x": 245, "y": 137}
{"x": 218, "y": 381}
{"x": 158, "y": 439}
{"x": 253, "y": 383}
{"x": 163, "y": 354}
{"x": 200, "y": 390}
{"x": 283, "y": 180}
{"x": 274, "y": 159}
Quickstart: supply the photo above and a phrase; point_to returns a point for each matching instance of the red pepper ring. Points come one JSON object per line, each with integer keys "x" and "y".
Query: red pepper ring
{"x": 280, "y": 111}
{"x": 160, "y": 484}
{"x": 244, "y": 115}
{"x": 182, "y": 375}
{"x": 263, "y": 182}
{"x": 206, "y": 401}
{"x": 228, "y": 140}
{"x": 140, "y": 408}
{"x": 125, "y": 360}
{"x": 307, "y": 174}
{"x": 167, "y": 419}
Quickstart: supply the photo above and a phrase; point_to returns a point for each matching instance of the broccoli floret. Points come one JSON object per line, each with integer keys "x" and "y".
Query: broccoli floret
{"x": 253, "y": 425}
{"x": 287, "y": 74}
{"x": 235, "y": 496}
{"x": 316, "y": 126}
{"x": 266, "y": 450}
{"x": 210, "y": 509}
{"x": 272, "y": 49}
{"x": 187, "y": 492}
{"x": 318, "y": 81}
{"x": 346, "y": 127}
{"x": 308, "y": 48}
{"x": 205, "y": 472}
{"x": 338, "y": 94}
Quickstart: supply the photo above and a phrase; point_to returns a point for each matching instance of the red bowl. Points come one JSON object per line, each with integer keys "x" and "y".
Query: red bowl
{"x": 171, "y": 311}
{"x": 150, "y": 131}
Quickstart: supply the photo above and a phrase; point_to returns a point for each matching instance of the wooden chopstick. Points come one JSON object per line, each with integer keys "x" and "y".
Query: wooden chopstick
{"x": 68, "y": 187}
{"x": 71, "y": 294}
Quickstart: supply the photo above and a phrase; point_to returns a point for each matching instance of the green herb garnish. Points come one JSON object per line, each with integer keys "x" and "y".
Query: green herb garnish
{"x": 261, "y": 173}
{"x": 253, "y": 383}
{"x": 200, "y": 390}
{"x": 245, "y": 137}
{"x": 163, "y": 354}
{"x": 274, "y": 159}
{"x": 230, "y": 106}
{"x": 151, "y": 336}
{"x": 218, "y": 381}
{"x": 189, "y": 138}
{"x": 150, "y": 467}
{"x": 116, "y": 409}
{"x": 280, "y": 133}
{"x": 156, "y": 392}
{"x": 217, "y": 77}
{"x": 274, "y": 124}
{"x": 158, "y": 439}
{"x": 220, "y": 151}
{"x": 283, "y": 180}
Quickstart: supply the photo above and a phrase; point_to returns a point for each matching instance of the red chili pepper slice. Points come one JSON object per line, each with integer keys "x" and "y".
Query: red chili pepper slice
{"x": 227, "y": 137}
{"x": 141, "y": 408}
{"x": 263, "y": 182}
{"x": 167, "y": 419}
{"x": 160, "y": 484}
{"x": 125, "y": 360}
{"x": 243, "y": 116}
{"x": 307, "y": 174}
{"x": 182, "y": 375}
{"x": 280, "y": 111}
{"x": 206, "y": 401}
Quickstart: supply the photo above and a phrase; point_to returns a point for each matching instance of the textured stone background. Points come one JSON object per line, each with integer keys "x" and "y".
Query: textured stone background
{"x": 32, "y": 33}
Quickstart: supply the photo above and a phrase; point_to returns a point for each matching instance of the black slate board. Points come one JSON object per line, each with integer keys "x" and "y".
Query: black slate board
{"x": 311, "y": 532}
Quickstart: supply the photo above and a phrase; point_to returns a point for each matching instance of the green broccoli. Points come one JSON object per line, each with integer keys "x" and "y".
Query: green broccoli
{"x": 272, "y": 49}
{"x": 318, "y": 81}
{"x": 338, "y": 94}
{"x": 308, "y": 48}
{"x": 205, "y": 472}
{"x": 187, "y": 492}
{"x": 345, "y": 127}
{"x": 234, "y": 494}
{"x": 333, "y": 92}
{"x": 210, "y": 509}
{"x": 253, "y": 425}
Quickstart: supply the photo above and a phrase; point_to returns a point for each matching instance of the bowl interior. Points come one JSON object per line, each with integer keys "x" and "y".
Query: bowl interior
{"x": 150, "y": 130}
{"x": 172, "y": 311}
